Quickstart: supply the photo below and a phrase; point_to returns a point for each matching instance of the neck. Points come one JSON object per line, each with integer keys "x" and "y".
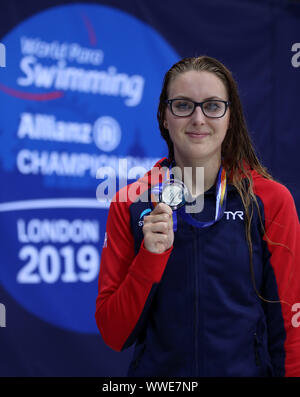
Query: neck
{"x": 193, "y": 172}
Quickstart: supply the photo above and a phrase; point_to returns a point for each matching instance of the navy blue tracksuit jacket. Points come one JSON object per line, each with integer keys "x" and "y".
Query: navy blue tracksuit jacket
{"x": 193, "y": 310}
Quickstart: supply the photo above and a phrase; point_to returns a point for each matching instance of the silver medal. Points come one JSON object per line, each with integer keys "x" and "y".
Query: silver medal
{"x": 174, "y": 193}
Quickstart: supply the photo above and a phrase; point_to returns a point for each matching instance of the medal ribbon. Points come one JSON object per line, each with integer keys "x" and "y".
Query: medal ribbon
{"x": 221, "y": 195}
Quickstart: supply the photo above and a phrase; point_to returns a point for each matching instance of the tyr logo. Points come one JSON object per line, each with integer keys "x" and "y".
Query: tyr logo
{"x": 232, "y": 215}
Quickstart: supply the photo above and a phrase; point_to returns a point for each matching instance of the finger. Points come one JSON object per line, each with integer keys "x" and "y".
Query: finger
{"x": 159, "y": 238}
{"x": 159, "y": 247}
{"x": 161, "y": 208}
{"x": 159, "y": 227}
{"x": 155, "y": 242}
{"x": 156, "y": 218}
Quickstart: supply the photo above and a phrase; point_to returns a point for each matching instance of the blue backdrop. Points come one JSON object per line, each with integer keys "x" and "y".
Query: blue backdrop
{"x": 80, "y": 91}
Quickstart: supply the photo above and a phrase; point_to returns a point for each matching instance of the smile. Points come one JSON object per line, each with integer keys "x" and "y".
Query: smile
{"x": 197, "y": 135}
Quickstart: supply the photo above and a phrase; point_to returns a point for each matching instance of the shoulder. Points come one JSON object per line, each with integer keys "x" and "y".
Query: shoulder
{"x": 276, "y": 198}
{"x": 269, "y": 189}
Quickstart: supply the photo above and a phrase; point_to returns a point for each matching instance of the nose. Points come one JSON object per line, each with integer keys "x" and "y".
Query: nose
{"x": 198, "y": 115}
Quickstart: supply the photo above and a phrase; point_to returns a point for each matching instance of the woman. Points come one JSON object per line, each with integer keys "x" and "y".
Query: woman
{"x": 209, "y": 293}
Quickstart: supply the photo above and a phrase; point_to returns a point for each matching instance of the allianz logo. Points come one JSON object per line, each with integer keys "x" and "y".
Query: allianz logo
{"x": 234, "y": 215}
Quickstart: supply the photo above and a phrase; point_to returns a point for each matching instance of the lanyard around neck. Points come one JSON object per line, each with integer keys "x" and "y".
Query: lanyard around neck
{"x": 221, "y": 195}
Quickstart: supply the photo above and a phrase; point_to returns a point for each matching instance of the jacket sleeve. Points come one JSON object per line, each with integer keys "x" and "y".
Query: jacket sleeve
{"x": 125, "y": 279}
{"x": 282, "y": 236}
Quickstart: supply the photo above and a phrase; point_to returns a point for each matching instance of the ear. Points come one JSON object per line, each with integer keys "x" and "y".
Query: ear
{"x": 166, "y": 124}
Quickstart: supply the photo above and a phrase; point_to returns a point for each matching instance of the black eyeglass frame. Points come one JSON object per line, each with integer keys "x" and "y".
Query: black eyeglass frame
{"x": 170, "y": 102}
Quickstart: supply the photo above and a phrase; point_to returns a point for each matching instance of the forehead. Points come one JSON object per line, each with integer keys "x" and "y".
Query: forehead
{"x": 197, "y": 85}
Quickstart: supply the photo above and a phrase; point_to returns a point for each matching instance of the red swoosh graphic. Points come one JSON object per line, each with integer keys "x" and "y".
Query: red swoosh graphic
{"x": 90, "y": 29}
{"x": 48, "y": 96}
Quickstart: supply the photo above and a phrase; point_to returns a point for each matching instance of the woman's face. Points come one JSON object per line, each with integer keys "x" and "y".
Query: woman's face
{"x": 196, "y": 137}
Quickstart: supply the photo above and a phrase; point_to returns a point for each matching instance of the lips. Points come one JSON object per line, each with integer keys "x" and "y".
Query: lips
{"x": 196, "y": 134}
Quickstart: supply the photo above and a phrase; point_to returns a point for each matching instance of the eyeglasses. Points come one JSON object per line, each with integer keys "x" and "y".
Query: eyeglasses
{"x": 213, "y": 108}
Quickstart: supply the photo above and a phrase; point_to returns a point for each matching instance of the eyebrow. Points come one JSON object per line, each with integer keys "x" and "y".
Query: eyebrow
{"x": 206, "y": 99}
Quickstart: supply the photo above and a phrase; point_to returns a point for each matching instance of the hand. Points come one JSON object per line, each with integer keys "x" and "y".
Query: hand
{"x": 158, "y": 229}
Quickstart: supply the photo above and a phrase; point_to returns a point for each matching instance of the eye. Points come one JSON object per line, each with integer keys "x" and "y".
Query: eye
{"x": 181, "y": 104}
{"x": 213, "y": 106}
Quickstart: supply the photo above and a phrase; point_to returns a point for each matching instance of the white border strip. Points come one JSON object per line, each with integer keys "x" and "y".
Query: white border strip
{"x": 53, "y": 203}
